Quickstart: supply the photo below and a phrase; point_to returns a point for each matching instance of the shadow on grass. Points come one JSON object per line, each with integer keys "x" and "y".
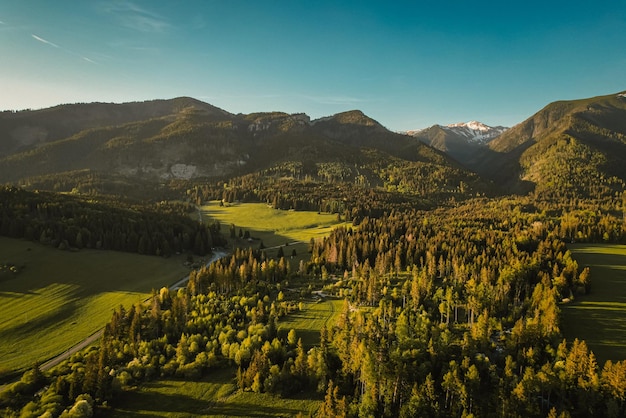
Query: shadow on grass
{"x": 241, "y": 409}
{"x": 17, "y": 294}
{"x": 310, "y": 337}
{"x": 598, "y": 318}
{"x": 601, "y": 325}
{"x": 41, "y": 322}
{"x": 161, "y": 405}
{"x": 158, "y": 403}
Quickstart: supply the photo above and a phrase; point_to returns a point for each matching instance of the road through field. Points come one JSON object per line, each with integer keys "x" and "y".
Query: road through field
{"x": 67, "y": 354}
{"x": 214, "y": 257}
{"x": 93, "y": 338}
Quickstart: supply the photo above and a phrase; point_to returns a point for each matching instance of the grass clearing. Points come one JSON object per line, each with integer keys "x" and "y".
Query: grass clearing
{"x": 57, "y": 298}
{"x": 273, "y": 226}
{"x": 214, "y": 396}
{"x": 599, "y": 318}
{"x": 308, "y": 322}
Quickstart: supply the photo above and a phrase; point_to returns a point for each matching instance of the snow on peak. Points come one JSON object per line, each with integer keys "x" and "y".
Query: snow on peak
{"x": 473, "y": 125}
{"x": 475, "y": 131}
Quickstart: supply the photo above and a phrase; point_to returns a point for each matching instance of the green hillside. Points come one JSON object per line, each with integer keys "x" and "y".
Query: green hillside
{"x": 569, "y": 148}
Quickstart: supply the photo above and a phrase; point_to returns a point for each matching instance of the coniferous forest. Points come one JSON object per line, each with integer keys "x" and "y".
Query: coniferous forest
{"x": 452, "y": 290}
{"x": 447, "y": 312}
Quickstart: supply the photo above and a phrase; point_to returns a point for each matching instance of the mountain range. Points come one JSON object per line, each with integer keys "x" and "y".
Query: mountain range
{"x": 460, "y": 140}
{"x": 563, "y": 146}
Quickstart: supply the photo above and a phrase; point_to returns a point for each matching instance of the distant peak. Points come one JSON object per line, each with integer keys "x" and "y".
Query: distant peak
{"x": 351, "y": 117}
{"x": 473, "y": 124}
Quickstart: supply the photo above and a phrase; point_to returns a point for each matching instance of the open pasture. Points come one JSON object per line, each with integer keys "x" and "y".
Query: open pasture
{"x": 214, "y": 396}
{"x": 308, "y": 322}
{"x": 599, "y": 318}
{"x": 58, "y": 298}
{"x": 272, "y": 226}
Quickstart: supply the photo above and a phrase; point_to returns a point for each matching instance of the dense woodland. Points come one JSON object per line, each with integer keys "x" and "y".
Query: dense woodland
{"x": 447, "y": 312}
{"x": 71, "y": 222}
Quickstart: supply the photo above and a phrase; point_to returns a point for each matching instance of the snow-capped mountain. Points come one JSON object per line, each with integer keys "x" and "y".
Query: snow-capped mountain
{"x": 475, "y": 131}
{"x": 460, "y": 140}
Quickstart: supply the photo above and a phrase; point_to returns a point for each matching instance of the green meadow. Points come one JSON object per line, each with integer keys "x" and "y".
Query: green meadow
{"x": 272, "y": 226}
{"x": 599, "y": 318}
{"x": 214, "y": 396}
{"x": 57, "y": 298}
{"x": 308, "y": 322}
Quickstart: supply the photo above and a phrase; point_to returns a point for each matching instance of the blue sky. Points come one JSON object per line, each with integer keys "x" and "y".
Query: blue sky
{"x": 407, "y": 64}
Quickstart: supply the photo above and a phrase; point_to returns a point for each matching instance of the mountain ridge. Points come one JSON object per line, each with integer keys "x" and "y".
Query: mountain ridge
{"x": 183, "y": 140}
{"x": 186, "y": 139}
{"x": 539, "y": 153}
{"x": 462, "y": 141}
{"x": 26, "y": 129}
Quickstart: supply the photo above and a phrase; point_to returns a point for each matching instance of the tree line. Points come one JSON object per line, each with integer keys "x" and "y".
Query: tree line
{"x": 70, "y": 222}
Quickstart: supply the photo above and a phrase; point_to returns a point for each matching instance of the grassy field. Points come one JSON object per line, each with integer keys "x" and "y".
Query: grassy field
{"x": 600, "y": 317}
{"x": 308, "y": 322}
{"x": 273, "y": 227}
{"x": 57, "y": 298}
{"x": 214, "y": 396}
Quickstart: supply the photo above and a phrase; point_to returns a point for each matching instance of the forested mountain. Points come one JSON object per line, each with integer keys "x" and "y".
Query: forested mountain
{"x": 28, "y": 129}
{"x": 568, "y": 148}
{"x": 130, "y": 148}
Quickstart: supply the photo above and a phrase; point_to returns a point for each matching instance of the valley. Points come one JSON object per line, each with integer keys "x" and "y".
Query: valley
{"x": 368, "y": 273}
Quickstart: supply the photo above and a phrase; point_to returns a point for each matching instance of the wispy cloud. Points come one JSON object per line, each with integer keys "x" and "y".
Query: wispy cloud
{"x": 132, "y": 16}
{"x": 40, "y": 39}
{"x": 47, "y": 42}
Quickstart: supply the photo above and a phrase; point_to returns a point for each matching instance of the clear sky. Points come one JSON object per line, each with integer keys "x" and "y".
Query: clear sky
{"x": 407, "y": 64}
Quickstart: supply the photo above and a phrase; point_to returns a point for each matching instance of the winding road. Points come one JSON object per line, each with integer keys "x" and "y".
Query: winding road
{"x": 93, "y": 338}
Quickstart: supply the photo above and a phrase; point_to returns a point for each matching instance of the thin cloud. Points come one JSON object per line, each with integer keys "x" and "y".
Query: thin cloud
{"x": 40, "y": 39}
{"x": 145, "y": 23}
{"x": 131, "y": 16}
{"x": 47, "y": 42}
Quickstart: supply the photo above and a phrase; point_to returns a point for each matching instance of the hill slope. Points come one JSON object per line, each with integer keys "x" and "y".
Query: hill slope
{"x": 569, "y": 148}
{"x": 24, "y": 130}
{"x": 84, "y": 146}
